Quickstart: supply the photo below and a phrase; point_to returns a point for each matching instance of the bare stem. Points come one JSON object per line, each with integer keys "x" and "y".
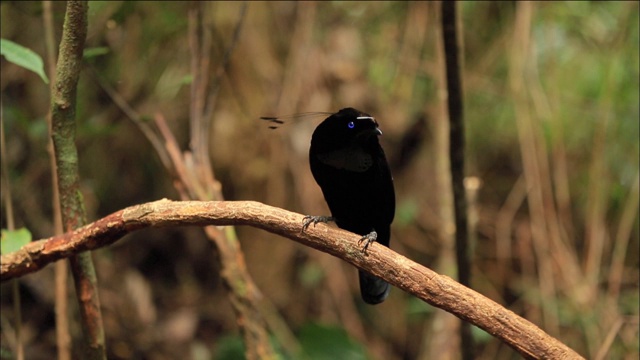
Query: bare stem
{"x": 63, "y": 110}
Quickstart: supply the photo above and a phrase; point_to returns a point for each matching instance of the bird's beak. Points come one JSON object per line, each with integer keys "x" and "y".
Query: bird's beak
{"x": 369, "y": 134}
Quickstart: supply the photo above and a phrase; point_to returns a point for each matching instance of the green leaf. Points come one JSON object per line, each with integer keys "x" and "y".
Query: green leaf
{"x": 320, "y": 342}
{"x": 23, "y": 57}
{"x": 407, "y": 212}
{"x": 187, "y": 80}
{"x": 95, "y": 51}
{"x": 311, "y": 275}
{"x": 417, "y": 309}
{"x": 12, "y": 241}
{"x": 480, "y": 335}
{"x": 230, "y": 347}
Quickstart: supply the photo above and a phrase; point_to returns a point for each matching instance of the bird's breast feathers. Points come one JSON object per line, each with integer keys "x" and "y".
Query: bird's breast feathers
{"x": 350, "y": 159}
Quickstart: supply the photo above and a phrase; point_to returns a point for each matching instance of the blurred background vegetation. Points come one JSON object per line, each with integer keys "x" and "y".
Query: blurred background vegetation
{"x": 552, "y": 114}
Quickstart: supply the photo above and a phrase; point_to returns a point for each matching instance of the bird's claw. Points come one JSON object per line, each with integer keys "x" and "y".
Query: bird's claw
{"x": 309, "y": 219}
{"x": 368, "y": 239}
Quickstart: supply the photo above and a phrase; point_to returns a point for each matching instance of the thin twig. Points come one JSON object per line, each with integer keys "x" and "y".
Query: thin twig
{"x": 619, "y": 252}
{"x": 222, "y": 69}
{"x": 133, "y": 115}
{"x": 63, "y": 334}
{"x": 528, "y": 135}
{"x": 456, "y": 156}
{"x": 8, "y": 204}
{"x": 196, "y": 177}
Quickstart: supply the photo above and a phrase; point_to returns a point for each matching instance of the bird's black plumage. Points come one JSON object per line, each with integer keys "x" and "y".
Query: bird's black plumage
{"x": 349, "y": 164}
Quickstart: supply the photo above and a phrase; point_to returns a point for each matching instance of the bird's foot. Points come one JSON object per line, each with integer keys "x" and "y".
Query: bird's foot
{"x": 367, "y": 240}
{"x": 309, "y": 219}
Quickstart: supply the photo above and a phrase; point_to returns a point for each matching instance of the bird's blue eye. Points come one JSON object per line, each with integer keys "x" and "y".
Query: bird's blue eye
{"x": 351, "y": 125}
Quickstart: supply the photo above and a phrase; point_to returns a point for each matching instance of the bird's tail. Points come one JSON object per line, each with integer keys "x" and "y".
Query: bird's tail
{"x": 373, "y": 289}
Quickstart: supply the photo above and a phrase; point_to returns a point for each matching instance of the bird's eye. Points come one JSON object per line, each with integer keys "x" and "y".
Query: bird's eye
{"x": 351, "y": 125}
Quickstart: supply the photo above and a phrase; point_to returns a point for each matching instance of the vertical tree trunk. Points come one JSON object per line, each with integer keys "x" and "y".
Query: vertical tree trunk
{"x": 441, "y": 341}
{"x": 456, "y": 156}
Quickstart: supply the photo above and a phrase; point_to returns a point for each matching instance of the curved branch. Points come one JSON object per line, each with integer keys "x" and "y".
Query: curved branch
{"x": 437, "y": 290}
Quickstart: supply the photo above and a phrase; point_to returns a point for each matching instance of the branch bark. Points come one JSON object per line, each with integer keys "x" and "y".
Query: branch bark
{"x": 63, "y": 128}
{"x": 437, "y": 290}
{"x": 63, "y": 337}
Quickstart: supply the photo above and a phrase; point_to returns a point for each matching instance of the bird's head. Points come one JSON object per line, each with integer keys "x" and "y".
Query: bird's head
{"x": 346, "y": 128}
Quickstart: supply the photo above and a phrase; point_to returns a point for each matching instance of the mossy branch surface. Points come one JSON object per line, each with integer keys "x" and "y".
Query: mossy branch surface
{"x": 63, "y": 126}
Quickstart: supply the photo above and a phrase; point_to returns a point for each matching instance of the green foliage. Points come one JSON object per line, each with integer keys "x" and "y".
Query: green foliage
{"x": 318, "y": 342}
{"x": 23, "y": 57}
{"x": 323, "y": 342}
{"x": 13, "y": 240}
{"x": 229, "y": 347}
{"x": 406, "y": 212}
{"x": 480, "y": 335}
{"x": 418, "y": 309}
{"x": 311, "y": 275}
{"x": 5, "y": 353}
{"x": 95, "y": 51}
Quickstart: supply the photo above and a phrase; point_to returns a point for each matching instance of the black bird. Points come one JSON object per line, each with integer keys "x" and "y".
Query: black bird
{"x": 349, "y": 164}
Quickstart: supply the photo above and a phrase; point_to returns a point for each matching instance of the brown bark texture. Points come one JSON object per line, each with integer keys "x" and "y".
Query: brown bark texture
{"x": 435, "y": 289}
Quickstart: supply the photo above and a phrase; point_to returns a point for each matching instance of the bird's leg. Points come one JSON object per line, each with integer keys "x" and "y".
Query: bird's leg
{"x": 315, "y": 219}
{"x": 368, "y": 239}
